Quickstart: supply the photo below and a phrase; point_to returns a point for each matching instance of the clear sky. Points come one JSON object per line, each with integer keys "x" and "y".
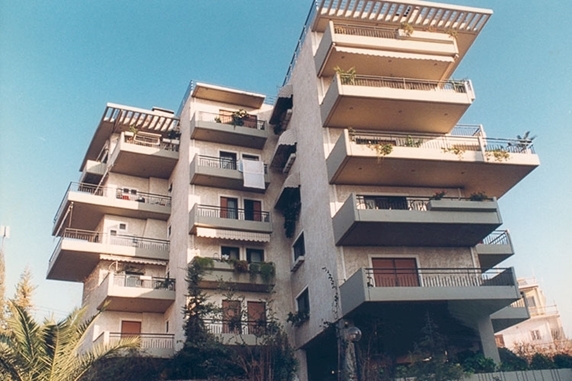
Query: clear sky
{"x": 61, "y": 61}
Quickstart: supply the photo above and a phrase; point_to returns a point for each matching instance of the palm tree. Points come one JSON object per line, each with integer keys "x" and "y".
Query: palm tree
{"x": 50, "y": 351}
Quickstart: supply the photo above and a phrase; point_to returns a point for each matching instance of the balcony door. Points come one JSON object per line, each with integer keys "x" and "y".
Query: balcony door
{"x": 256, "y": 317}
{"x": 395, "y": 272}
{"x": 252, "y": 210}
{"x": 227, "y": 160}
{"x": 231, "y": 319}
{"x": 229, "y": 207}
{"x": 130, "y": 328}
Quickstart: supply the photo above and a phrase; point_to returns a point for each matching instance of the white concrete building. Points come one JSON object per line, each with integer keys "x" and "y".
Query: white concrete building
{"x": 375, "y": 206}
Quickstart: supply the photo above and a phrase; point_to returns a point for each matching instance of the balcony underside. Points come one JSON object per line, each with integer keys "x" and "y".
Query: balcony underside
{"x": 492, "y": 255}
{"x": 221, "y": 178}
{"x": 390, "y": 109}
{"x": 142, "y": 300}
{"x": 145, "y": 162}
{"x": 212, "y": 220}
{"x": 229, "y": 134}
{"x": 88, "y": 210}
{"x": 495, "y": 179}
{"x": 73, "y": 260}
{"x": 509, "y": 316}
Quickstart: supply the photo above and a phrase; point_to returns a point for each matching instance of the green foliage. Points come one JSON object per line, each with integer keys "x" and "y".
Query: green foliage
{"x": 410, "y": 142}
{"x": 476, "y": 362}
{"x": 347, "y": 77}
{"x": 240, "y": 266}
{"x": 510, "y": 361}
{"x": 541, "y": 361}
{"x": 407, "y": 28}
{"x": 382, "y": 149}
{"x": 459, "y": 151}
{"x": 478, "y": 196}
{"x": 30, "y": 351}
{"x": 290, "y": 213}
{"x": 267, "y": 271}
{"x": 438, "y": 195}
{"x": 238, "y": 117}
{"x": 297, "y": 318}
{"x": 562, "y": 360}
{"x": 132, "y": 367}
{"x": 499, "y": 155}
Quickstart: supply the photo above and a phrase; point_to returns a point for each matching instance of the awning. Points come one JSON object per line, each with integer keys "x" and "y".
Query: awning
{"x": 285, "y": 146}
{"x": 393, "y": 54}
{"x": 290, "y": 189}
{"x": 232, "y": 234}
{"x": 119, "y": 258}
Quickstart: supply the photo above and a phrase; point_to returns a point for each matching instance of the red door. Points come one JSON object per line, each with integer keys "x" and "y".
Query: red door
{"x": 256, "y": 317}
{"x": 231, "y": 319}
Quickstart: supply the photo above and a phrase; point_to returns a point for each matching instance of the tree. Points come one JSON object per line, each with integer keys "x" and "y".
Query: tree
{"x": 25, "y": 290}
{"x": 50, "y": 351}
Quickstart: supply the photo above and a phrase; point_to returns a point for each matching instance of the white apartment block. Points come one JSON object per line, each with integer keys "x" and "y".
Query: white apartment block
{"x": 375, "y": 177}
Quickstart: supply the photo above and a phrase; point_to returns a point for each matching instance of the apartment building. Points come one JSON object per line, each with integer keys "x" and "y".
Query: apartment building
{"x": 543, "y": 332}
{"x": 374, "y": 206}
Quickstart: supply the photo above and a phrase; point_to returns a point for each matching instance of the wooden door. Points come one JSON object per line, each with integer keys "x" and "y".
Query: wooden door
{"x": 130, "y": 328}
{"x": 252, "y": 210}
{"x": 256, "y": 317}
{"x": 395, "y": 272}
{"x": 228, "y": 207}
{"x": 231, "y": 319}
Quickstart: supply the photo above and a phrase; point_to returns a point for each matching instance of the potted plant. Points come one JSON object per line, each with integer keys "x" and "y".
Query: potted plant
{"x": 478, "y": 196}
{"x": 347, "y": 77}
{"x": 240, "y": 266}
{"x": 438, "y": 195}
{"x": 238, "y": 117}
{"x": 298, "y": 318}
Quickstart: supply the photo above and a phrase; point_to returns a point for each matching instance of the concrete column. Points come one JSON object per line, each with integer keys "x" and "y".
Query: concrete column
{"x": 487, "y": 335}
{"x": 302, "y": 374}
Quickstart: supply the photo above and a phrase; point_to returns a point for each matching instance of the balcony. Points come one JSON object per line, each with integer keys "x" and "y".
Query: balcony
{"x": 134, "y": 293}
{"x": 494, "y": 249}
{"x": 230, "y": 223}
{"x": 237, "y": 332}
{"x": 84, "y": 205}
{"x": 515, "y": 313}
{"x": 386, "y": 51}
{"x": 406, "y": 221}
{"x": 405, "y": 104}
{"x": 222, "y": 128}
{"x": 467, "y": 292}
{"x": 144, "y": 155}
{"x": 472, "y": 163}
{"x": 224, "y": 272}
{"x": 78, "y": 252}
{"x": 220, "y": 172}
{"x": 161, "y": 345}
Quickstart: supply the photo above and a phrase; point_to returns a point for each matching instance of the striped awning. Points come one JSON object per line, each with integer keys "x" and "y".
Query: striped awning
{"x": 119, "y": 258}
{"x": 232, "y": 234}
{"x": 393, "y": 54}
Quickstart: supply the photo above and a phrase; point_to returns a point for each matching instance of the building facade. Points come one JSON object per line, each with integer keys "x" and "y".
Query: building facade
{"x": 373, "y": 206}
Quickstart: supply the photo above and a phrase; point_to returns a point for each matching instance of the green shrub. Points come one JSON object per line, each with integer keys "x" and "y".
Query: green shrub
{"x": 541, "y": 361}
{"x": 510, "y": 361}
{"x": 562, "y": 361}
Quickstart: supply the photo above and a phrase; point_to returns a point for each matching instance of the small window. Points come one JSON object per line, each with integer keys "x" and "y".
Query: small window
{"x": 531, "y": 301}
{"x": 535, "y": 335}
{"x": 167, "y": 326}
{"x": 246, "y": 156}
{"x": 122, "y": 226}
{"x": 254, "y": 255}
{"x": 228, "y": 252}
{"x": 299, "y": 247}
{"x": 169, "y": 231}
{"x": 303, "y": 302}
{"x": 113, "y": 232}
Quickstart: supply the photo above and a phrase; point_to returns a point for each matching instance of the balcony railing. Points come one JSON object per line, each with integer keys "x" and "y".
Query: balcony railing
{"x": 451, "y": 86}
{"x": 142, "y": 281}
{"x": 226, "y": 117}
{"x": 232, "y": 213}
{"x": 400, "y": 203}
{"x": 498, "y": 237}
{"x": 438, "y": 277}
{"x": 456, "y": 143}
{"x": 222, "y": 163}
{"x": 151, "y": 140}
{"x": 543, "y": 310}
{"x": 117, "y": 239}
{"x": 236, "y": 326}
{"x": 147, "y": 340}
{"x": 366, "y": 31}
{"x": 120, "y": 193}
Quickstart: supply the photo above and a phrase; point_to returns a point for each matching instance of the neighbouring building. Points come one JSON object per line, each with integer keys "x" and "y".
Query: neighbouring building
{"x": 374, "y": 205}
{"x": 543, "y": 332}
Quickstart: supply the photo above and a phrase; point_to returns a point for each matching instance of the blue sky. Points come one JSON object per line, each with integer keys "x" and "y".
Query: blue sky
{"x": 61, "y": 61}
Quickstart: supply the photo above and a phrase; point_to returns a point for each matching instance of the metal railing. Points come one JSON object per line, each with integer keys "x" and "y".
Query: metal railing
{"x": 498, "y": 237}
{"x": 119, "y": 192}
{"x": 443, "y": 142}
{"x": 365, "y": 31}
{"x": 236, "y": 326}
{"x": 452, "y": 86}
{"x": 151, "y": 140}
{"x": 146, "y": 340}
{"x": 117, "y": 239}
{"x": 141, "y": 281}
{"x": 226, "y": 117}
{"x": 232, "y": 213}
{"x": 400, "y": 203}
{"x": 543, "y": 310}
{"x": 438, "y": 277}
{"x": 222, "y": 163}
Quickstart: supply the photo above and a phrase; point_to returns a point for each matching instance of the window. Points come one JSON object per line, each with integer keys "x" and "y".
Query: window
{"x": 499, "y": 339}
{"x": 231, "y": 316}
{"x": 229, "y": 207}
{"x": 227, "y": 160}
{"x": 169, "y": 231}
{"x": 122, "y": 226}
{"x": 228, "y": 252}
{"x": 254, "y": 255}
{"x": 531, "y": 301}
{"x": 395, "y": 272}
{"x": 535, "y": 335}
{"x": 167, "y": 326}
{"x": 252, "y": 210}
{"x": 303, "y": 302}
{"x": 246, "y": 156}
{"x": 299, "y": 247}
